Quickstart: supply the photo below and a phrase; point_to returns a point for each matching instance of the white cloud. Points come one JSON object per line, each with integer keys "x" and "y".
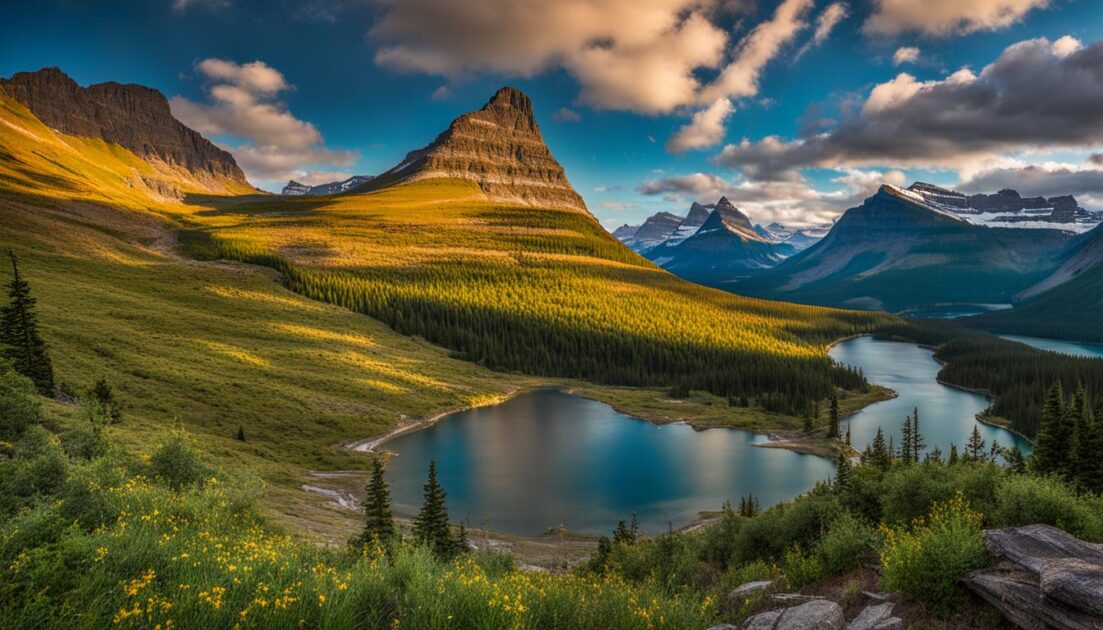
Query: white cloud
{"x": 566, "y": 114}
{"x": 183, "y": 5}
{"x": 794, "y": 203}
{"x": 705, "y": 130}
{"x": 644, "y": 56}
{"x": 967, "y": 121}
{"x": 269, "y": 143}
{"x": 828, "y": 19}
{"x": 905, "y": 54}
{"x": 740, "y": 78}
{"x": 945, "y": 17}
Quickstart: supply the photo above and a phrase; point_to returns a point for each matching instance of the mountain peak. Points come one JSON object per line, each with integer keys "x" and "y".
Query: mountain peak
{"x": 726, "y": 216}
{"x": 132, "y": 116}
{"x": 499, "y": 147}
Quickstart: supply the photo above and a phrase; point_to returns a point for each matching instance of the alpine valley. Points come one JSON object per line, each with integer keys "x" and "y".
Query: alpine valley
{"x": 441, "y": 394}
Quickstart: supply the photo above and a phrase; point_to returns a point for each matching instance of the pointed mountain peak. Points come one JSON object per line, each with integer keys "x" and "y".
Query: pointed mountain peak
{"x": 726, "y": 216}
{"x": 499, "y": 147}
{"x": 725, "y": 204}
{"x": 698, "y": 214}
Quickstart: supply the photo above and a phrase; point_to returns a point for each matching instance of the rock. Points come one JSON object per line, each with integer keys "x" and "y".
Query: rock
{"x": 1045, "y": 577}
{"x": 763, "y": 621}
{"x": 132, "y": 116}
{"x": 869, "y": 618}
{"x": 744, "y": 591}
{"x": 818, "y": 614}
{"x": 877, "y": 597}
{"x": 498, "y": 147}
{"x": 724, "y": 626}
{"x": 892, "y": 623}
{"x": 793, "y": 599}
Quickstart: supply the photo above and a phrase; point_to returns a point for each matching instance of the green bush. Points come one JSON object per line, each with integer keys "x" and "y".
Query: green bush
{"x": 846, "y": 544}
{"x": 1025, "y": 499}
{"x": 19, "y": 405}
{"x": 176, "y": 462}
{"x": 799, "y": 568}
{"x": 928, "y": 560}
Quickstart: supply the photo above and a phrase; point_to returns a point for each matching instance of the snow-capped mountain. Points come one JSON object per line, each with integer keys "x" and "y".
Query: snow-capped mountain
{"x": 1007, "y": 208}
{"x": 332, "y": 188}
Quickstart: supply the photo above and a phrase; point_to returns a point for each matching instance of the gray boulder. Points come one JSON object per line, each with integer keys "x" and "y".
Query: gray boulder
{"x": 1043, "y": 578}
{"x": 744, "y": 591}
{"x": 819, "y": 614}
{"x": 871, "y": 617}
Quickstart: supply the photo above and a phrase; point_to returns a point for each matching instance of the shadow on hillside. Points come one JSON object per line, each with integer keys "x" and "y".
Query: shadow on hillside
{"x": 254, "y": 204}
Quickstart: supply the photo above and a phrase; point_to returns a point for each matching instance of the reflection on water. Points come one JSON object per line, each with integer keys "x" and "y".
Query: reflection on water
{"x": 946, "y": 414}
{"x": 548, "y": 458}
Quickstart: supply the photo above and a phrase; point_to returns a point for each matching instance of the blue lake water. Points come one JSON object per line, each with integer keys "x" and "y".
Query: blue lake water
{"x": 946, "y": 414}
{"x": 1073, "y": 348}
{"x": 547, "y": 458}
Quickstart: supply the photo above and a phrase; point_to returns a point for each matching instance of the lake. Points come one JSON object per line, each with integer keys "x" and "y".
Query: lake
{"x": 548, "y": 458}
{"x": 1073, "y": 348}
{"x": 946, "y": 414}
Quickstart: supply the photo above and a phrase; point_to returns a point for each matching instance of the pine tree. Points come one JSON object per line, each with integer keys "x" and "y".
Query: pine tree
{"x": 459, "y": 543}
{"x": 808, "y": 424}
{"x": 102, "y": 393}
{"x": 378, "y": 520}
{"x": 974, "y": 448}
{"x": 1051, "y": 451}
{"x": 953, "y": 454}
{"x": 431, "y": 525}
{"x": 1014, "y": 458}
{"x": 848, "y": 435}
{"x": 240, "y": 434}
{"x": 1088, "y": 448}
{"x": 906, "y": 441}
{"x": 842, "y": 471}
{"x": 918, "y": 444}
{"x": 833, "y": 419}
{"x": 20, "y": 341}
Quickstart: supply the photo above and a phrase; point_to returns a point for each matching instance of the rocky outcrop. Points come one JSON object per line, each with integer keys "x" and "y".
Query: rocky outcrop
{"x": 500, "y": 148}
{"x": 1043, "y": 578}
{"x": 135, "y": 117}
{"x": 819, "y": 614}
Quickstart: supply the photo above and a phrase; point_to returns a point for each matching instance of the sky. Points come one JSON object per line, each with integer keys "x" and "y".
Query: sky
{"x": 794, "y": 109}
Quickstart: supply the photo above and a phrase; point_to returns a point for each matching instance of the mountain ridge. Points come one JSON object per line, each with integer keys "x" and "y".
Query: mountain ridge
{"x": 135, "y": 117}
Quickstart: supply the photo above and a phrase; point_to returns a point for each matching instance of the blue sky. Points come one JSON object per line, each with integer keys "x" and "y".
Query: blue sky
{"x": 348, "y": 87}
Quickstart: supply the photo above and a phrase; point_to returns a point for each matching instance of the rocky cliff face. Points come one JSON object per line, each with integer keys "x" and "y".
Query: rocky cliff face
{"x": 727, "y": 216}
{"x": 500, "y": 148}
{"x": 131, "y": 116}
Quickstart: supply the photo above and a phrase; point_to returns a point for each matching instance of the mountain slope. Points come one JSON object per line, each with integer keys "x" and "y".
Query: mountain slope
{"x": 897, "y": 252}
{"x": 501, "y": 149}
{"x": 656, "y": 229}
{"x": 131, "y": 116}
{"x": 1068, "y": 304}
{"x": 725, "y": 248}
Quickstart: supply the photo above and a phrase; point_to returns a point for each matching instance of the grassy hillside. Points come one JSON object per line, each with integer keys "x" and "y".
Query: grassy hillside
{"x": 433, "y": 258}
{"x": 220, "y": 345}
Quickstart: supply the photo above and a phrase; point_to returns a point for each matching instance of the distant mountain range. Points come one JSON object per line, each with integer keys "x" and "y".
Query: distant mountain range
{"x": 332, "y": 188}
{"x": 1007, "y": 208}
{"x": 899, "y": 251}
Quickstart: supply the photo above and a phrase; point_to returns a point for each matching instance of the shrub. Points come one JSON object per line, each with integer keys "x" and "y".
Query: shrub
{"x": 19, "y": 406}
{"x": 1024, "y": 499}
{"x": 176, "y": 463}
{"x": 800, "y": 568}
{"x": 847, "y": 542}
{"x": 928, "y": 560}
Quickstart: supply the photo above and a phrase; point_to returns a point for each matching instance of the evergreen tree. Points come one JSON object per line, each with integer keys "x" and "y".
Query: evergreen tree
{"x": 1088, "y": 449}
{"x": 906, "y": 448}
{"x": 1051, "y": 450}
{"x": 1014, "y": 458}
{"x": 833, "y": 419}
{"x": 20, "y": 341}
{"x": 240, "y": 434}
{"x": 842, "y": 471}
{"x": 102, "y": 393}
{"x": 953, "y": 454}
{"x": 918, "y": 444}
{"x": 378, "y": 520}
{"x": 848, "y": 435}
{"x": 431, "y": 525}
{"x": 1078, "y": 420}
{"x": 626, "y": 534}
{"x": 934, "y": 455}
{"x": 974, "y": 448}
{"x": 808, "y": 424}
{"x": 891, "y": 451}
{"x": 459, "y": 544}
